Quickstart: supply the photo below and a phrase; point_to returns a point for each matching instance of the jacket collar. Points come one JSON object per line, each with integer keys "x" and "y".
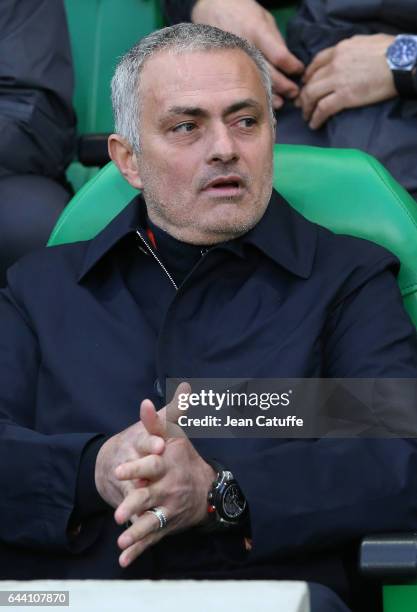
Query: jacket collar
{"x": 126, "y": 222}
{"x": 285, "y": 236}
{"x": 282, "y": 234}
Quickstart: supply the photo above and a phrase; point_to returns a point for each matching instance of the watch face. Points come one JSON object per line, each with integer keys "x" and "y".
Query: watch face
{"x": 403, "y": 52}
{"x": 233, "y": 503}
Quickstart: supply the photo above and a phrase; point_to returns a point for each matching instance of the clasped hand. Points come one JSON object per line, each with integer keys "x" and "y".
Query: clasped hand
{"x": 153, "y": 464}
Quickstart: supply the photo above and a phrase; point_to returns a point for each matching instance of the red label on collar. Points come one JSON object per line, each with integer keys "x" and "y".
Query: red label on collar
{"x": 151, "y": 237}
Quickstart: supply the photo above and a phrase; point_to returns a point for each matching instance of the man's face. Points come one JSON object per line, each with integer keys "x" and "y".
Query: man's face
{"x": 206, "y": 144}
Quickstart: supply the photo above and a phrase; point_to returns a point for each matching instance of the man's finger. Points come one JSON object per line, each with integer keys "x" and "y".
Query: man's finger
{"x": 321, "y": 59}
{"x": 276, "y": 52}
{"x": 131, "y": 553}
{"x": 326, "y": 108}
{"x": 312, "y": 93}
{"x": 150, "y": 467}
{"x": 137, "y": 501}
{"x": 281, "y": 85}
{"x": 144, "y": 525}
{"x": 277, "y": 101}
{"x": 151, "y": 420}
{"x": 147, "y": 444}
{"x": 172, "y": 411}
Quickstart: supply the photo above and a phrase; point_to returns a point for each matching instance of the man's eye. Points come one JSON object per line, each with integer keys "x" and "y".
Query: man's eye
{"x": 247, "y": 122}
{"x": 184, "y": 128}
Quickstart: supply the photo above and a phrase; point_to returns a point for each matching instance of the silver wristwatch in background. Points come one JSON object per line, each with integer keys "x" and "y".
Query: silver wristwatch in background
{"x": 402, "y": 59}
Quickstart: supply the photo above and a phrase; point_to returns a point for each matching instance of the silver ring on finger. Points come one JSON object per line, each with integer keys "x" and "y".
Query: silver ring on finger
{"x": 160, "y": 515}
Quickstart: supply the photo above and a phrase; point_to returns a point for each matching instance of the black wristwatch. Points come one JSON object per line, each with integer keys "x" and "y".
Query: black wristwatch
{"x": 227, "y": 505}
{"x": 402, "y": 59}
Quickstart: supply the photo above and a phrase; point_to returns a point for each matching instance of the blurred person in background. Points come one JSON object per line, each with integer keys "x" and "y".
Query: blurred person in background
{"x": 37, "y": 123}
{"x": 344, "y": 77}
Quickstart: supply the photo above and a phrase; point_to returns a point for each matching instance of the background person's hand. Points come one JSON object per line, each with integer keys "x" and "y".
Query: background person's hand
{"x": 353, "y": 73}
{"x": 248, "y": 19}
{"x": 177, "y": 481}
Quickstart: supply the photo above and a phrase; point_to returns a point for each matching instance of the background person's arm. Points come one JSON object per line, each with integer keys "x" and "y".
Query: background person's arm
{"x": 248, "y": 19}
{"x": 178, "y": 11}
{"x": 398, "y": 14}
{"x": 37, "y": 119}
{"x": 351, "y": 74}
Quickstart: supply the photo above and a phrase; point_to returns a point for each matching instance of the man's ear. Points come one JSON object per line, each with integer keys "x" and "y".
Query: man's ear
{"x": 124, "y": 157}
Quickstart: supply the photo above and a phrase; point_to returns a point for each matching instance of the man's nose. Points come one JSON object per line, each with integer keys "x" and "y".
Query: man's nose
{"x": 223, "y": 146}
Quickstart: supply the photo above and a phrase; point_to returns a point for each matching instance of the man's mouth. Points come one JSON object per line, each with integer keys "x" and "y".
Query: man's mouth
{"x": 228, "y": 186}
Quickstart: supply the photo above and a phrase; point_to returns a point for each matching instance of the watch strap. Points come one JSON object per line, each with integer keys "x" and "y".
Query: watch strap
{"x": 405, "y": 83}
{"x": 218, "y": 468}
{"x": 212, "y": 523}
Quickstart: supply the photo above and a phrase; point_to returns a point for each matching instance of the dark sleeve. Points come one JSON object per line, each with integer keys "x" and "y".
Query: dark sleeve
{"x": 87, "y": 499}
{"x": 37, "y": 121}
{"x": 318, "y": 25}
{"x": 400, "y": 13}
{"x": 317, "y": 494}
{"x": 178, "y": 11}
{"x": 38, "y": 472}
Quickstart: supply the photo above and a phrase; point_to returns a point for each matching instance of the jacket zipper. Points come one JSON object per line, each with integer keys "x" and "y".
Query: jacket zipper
{"x": 148, "y": 248}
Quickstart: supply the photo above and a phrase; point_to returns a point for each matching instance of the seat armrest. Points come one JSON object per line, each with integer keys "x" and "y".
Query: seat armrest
{"x": 389, "y": 556}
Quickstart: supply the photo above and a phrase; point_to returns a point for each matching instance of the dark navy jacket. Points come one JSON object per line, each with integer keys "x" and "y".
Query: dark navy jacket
{"x": 85, "y": 331}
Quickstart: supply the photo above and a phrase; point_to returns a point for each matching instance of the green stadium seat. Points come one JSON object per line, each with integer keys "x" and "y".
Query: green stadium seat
{"x": 101, "y": 31}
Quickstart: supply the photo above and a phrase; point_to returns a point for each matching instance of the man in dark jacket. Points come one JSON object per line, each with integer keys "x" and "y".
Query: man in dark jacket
{"x": 209, "y": 274}
{"x": 349, "y": 94}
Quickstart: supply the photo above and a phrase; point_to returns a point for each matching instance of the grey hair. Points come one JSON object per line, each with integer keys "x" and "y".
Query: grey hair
{"x": 181, "y": 38}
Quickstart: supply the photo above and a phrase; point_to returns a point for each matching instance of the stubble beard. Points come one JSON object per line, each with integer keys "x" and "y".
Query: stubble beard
{"x": 157, "y": 211}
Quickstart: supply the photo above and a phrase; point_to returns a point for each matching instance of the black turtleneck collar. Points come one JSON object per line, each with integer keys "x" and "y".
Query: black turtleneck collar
{"x": 178, "y": 257}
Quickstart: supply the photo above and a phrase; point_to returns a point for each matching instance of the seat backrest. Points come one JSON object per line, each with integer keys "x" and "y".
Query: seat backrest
{"x": 345, "y": 190}
{"x": 101, "y": 31}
